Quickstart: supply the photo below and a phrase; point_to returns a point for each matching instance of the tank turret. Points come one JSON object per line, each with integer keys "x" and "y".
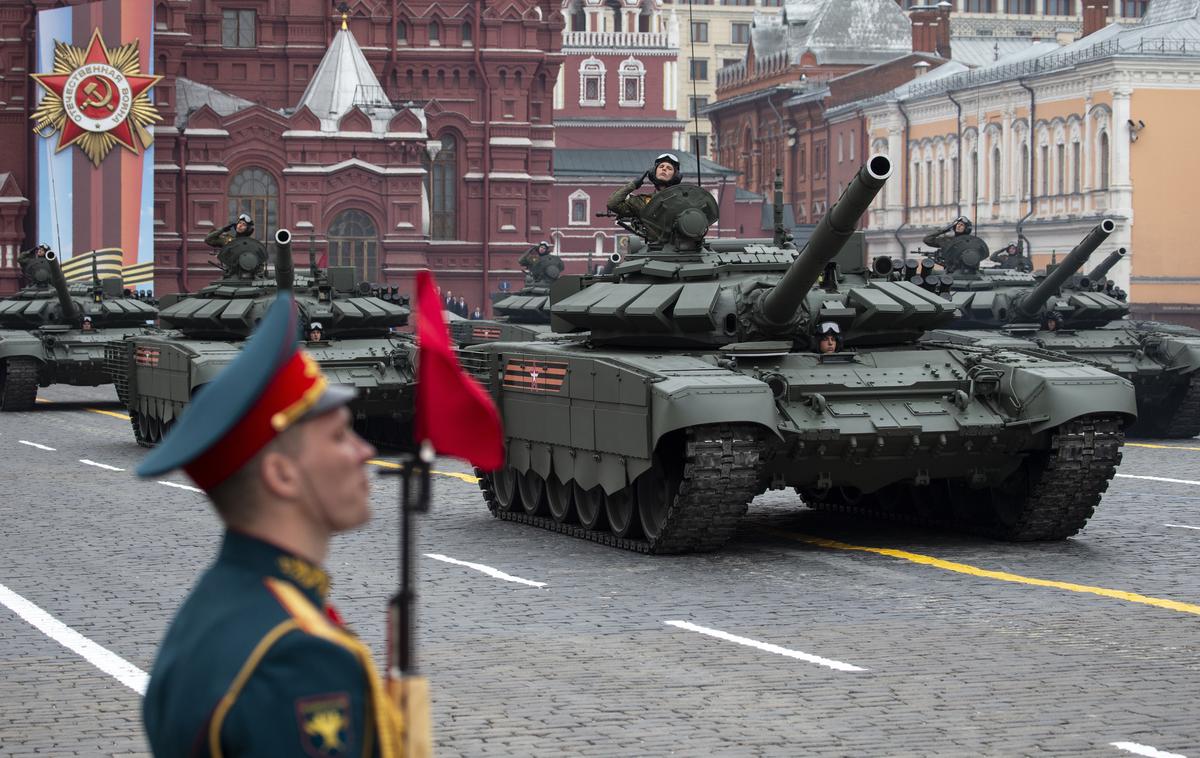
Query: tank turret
{"x": 1031, "y": 304}
{"x": 690, "y": 291}
{"x": 104, "y": 303}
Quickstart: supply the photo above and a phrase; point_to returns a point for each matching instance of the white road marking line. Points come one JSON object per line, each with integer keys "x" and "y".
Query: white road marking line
{"x": 766, "y": 646}
{"x": 178, "y": 486}
{"x": 104, "y": 466}
{"x": 34, "y": 444}
{"x": 1158, "y": 479}
{"x": 1183, "y": 526}
{"x": 107, "y": 661}
{"x": 496, "y": 573}
{"x": 1146, "y": 750}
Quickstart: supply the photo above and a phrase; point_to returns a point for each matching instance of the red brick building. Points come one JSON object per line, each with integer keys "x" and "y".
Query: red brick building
{"x": 422, "y": 135}
{"x": 771, "y": 107}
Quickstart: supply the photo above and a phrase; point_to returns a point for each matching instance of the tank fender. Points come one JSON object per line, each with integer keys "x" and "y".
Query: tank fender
{"x": 1057, "y": 394}
{"x": 1179, "y": 353}
{"x": 718, "y": 397}
{"x": 17, "y": 344}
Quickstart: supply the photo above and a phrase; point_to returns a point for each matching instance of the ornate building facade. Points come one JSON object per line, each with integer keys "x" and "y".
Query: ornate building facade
{"x": 1042, "y": 149}
{"x": 420, "y": 136}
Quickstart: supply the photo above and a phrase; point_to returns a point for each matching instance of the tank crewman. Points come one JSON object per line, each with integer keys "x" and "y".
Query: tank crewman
{"x": 87, "y": 324}
{"x": 38, "y": 251}
{"x": 242, "y": 226}
{"x": 957, "y": 228}
{"x": 316, "y": 332}
{"x": 829, "y": 338}
{"x": 256, "y": 661}
{"x": 541, "y": 266}
{"x": 1011, "y": 257}
{"x": 1051, "y": 321}
{"x": 665, "y": 173}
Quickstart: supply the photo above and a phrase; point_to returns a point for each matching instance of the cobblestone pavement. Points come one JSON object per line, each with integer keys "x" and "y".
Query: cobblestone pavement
{"x": 955, "y": 663}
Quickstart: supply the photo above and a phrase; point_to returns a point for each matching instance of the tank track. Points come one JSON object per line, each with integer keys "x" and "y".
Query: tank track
{"x": 720, "y": 478}
{"x": 1182, "y": 421}
{"x": 19, "y": 385}
{"x": 1063, "y": 486}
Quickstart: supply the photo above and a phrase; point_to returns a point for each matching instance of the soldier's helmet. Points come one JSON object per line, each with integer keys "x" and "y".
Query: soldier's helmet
{"x": 966, "y": 222}
{"x": 676, "y": 178}
{"x": 245, "y": 217}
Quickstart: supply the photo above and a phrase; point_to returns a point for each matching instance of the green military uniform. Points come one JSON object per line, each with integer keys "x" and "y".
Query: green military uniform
{"x": 542, "y": 269}
{"x": 219, "y": 238}
{"x": 624, "y": 203}
{"x": 255, "y": 663}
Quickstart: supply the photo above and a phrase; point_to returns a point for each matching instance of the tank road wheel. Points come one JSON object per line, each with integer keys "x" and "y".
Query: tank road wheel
{"x": 18, "y": 384}
{"x": 589, "y": 505}
{"x": 656, "y": 492}
{"x": 138, "y": 422}
{"x": 532, "y": 488}
{"x": 561, "y": 500}
{"x": 621, "y": 510}
{"x": 1054, "y": 492}
{"x": 505, "y": 482}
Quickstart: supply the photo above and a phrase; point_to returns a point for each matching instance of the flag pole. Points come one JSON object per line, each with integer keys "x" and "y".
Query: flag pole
{"x": 410, "y": 692}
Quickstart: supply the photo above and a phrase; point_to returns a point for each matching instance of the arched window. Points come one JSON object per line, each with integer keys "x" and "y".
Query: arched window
{"x": 160, "y": 16}
{"x": 435, "y": 33}
{"x": 354, "y": 241}
{"x": 443, "y": 190}
{"x": 996, "y": 175}
{"x": 254, "y": 191}
{"x": 467, "y": 31}
{"x": 401, "y": 33}
{"x": 579, "y": 19}
{"x": 633, "y": 82}
{"x": 591, "y": 82}
{"x": 1104, "y": 160}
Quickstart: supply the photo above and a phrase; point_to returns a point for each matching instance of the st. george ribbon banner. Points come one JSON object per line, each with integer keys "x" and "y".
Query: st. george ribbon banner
{"x": 94, "y": 111}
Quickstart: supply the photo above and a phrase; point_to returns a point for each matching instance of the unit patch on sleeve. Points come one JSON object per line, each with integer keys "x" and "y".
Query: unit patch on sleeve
{"x": 324, "y": 724}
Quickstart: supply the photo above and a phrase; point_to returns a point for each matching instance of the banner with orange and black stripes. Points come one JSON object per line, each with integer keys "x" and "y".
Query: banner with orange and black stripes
{"x": 534, "y": 375}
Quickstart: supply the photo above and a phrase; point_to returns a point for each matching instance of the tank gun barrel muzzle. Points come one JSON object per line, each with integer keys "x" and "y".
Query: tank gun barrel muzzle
{"x": 65, "y": 303}
{"x": 1032, "y": 303}
{"x": 833, "y": 230}
{"x": 51, "y": 255}
{"x": 1099, "y": 273}
{"x": 285, "y": 272}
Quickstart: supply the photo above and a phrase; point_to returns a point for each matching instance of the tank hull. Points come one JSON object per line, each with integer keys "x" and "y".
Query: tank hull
{"x": 44, "y": 357}
{"x": 476, "y": 332}
{"x": 156, "y": 377}
{"x": 695, "y": 437}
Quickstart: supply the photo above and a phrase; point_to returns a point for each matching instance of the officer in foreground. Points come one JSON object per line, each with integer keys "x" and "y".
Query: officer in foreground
{"x": 665, "y": 173}
{"x": 256, "y": 661}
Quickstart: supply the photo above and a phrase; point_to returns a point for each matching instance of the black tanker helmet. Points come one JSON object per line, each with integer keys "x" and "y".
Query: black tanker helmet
{"x": 675, "y": 179}
{"x": 249, "y": 222}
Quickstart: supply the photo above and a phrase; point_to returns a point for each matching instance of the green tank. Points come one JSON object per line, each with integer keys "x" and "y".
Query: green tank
{"x": 521, "y": 315}
{"x": 1092, "y": 325}
{"x": 52, "y": 332}
{"x": 157, "y": 375}
{"x": 685, "y": 383}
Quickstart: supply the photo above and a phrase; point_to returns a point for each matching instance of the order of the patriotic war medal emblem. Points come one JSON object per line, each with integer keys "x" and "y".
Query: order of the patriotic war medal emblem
{"x": 96, "y": 98}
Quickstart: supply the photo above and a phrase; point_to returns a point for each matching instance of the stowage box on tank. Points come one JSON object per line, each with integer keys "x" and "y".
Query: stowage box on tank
{"x": 696, "y": 386}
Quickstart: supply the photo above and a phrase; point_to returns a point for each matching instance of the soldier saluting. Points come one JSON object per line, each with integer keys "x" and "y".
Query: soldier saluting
{"x": 665, "y": 173}
{"x": 256, "y": 661}
{"x": 242, "y": 226}
{"x": 541, "y": 266}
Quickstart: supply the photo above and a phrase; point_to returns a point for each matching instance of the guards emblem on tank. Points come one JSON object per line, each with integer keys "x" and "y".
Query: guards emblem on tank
{"x": 534, "y": 375}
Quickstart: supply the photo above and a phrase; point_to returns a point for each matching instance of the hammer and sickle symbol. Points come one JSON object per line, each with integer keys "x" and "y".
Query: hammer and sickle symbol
{"x": 99, "y": 102}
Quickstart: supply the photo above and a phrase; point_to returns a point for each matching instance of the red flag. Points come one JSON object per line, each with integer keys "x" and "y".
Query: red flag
{"x": 453, "y": 412}
{"x": 323, "y": 261}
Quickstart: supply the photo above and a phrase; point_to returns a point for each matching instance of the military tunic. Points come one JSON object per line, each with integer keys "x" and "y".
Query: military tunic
{"x": 255, "y": 663}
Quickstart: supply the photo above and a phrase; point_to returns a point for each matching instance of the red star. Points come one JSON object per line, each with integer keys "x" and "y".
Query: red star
{"x": 97, "y": 52}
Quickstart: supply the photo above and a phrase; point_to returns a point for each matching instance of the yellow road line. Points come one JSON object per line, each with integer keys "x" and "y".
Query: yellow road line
{"x": 452, "y": 474}
{"x": 1161, "y": 447}
{"x": 114, "y": 414}
{"x": 1003, "y": 576}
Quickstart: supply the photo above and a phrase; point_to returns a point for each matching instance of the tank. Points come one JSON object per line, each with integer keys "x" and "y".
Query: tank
{"x": 42, "y": 339}
{"x": 157, "y": 375}
{"x": 521, "y": 315}
{"x": 1000, "y": 306}
{"x": 684, "y": 383}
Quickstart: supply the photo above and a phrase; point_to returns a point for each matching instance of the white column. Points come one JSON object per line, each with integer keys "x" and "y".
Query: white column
{"x": 1120, "y": 187}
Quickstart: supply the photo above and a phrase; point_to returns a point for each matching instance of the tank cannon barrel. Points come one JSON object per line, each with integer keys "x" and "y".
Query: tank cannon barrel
{"x": 285, "y": 272}
{"x": 1099, "y": 273}
{"x": 827, "y": 240}
{"x": 69, "y": 312}
{"x": 1074, "y": 260}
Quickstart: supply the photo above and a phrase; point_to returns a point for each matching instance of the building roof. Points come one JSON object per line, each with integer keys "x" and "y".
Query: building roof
{"x": 1169, "y": 11}
{"x": 344, "y": 80}
{"x": 741, "y": 195}
{"x": 624, "y": 165}
{"x": 190, "y": 96}
{"x": 984, "y": 51}
{"x": 834, "y": 31}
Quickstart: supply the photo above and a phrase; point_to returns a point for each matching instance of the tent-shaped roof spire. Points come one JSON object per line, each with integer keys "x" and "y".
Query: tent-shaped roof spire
{"x": 342, "y": 81}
